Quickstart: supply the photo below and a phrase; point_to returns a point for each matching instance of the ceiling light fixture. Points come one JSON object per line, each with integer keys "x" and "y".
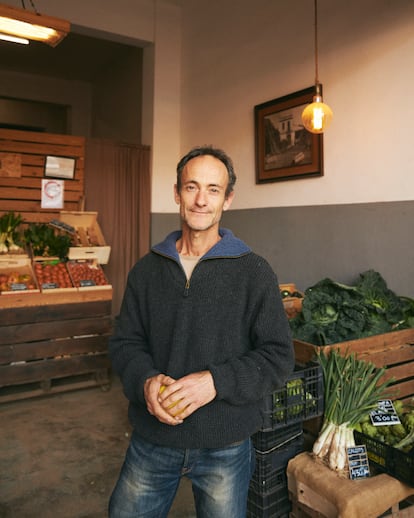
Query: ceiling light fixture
{"x": 317, "y": 116}
{"x": 20, "y": 23}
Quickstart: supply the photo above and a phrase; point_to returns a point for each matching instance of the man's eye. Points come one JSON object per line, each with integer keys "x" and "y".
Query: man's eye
{"x": 190, "y": 187}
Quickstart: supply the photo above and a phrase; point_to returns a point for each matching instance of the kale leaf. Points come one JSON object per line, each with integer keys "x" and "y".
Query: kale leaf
{"x": 333, "y": 312}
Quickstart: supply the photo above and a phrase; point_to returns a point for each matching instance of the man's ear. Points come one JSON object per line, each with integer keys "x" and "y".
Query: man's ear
{"x": 228, "y": 201}
{"x": 176, "y": 195}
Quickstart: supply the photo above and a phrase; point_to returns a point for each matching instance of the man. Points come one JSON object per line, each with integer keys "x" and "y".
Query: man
{"x": 201, "y": 338}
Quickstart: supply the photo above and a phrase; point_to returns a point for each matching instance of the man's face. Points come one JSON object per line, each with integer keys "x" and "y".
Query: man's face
{"x": 202, "y": 196}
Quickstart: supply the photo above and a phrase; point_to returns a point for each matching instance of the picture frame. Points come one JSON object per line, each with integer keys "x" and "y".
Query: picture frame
{"x": 60, "y": 167}
{"x": 284, "y": 149}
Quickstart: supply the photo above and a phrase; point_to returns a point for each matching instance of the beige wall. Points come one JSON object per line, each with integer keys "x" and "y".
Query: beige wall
{"x": 237, "y": 54}
{"x": 206, "y": 66}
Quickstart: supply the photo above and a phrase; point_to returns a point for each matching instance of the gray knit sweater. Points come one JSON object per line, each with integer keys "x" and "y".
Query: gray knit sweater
{"x": 229, "y": 319}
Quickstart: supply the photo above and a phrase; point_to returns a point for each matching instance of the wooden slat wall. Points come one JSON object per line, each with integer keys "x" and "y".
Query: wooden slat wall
{"x": 23, "y": 194}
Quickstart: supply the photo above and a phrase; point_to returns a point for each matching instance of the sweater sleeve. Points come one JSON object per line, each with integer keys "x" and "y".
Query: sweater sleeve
{"x": 270, "y": 359}
{"x": 128, "y": 346}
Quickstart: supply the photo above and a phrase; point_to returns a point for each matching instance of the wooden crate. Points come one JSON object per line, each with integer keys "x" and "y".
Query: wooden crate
{"x": 292, "y": 305}
{"x": 393, "y": 350}
{"x": 89, "y": 242}
{"x": 48, "y": 347}
{"x": 19, "y": 268}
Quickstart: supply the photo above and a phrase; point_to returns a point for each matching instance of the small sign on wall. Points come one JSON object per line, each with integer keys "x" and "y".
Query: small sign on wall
{"x": 60, "y": 167}
{"x": 52, "y": 194}
{"x": 10, "y": 165}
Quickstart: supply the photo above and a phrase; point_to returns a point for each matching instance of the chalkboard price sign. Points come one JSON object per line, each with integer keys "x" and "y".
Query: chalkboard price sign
{"x": 358, "y": 462}
{"x": 384, "y": 414}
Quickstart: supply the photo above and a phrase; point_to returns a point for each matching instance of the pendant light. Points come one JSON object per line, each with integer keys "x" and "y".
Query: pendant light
{"x": 27, "y": 25}
{"x": 317, "y": 116}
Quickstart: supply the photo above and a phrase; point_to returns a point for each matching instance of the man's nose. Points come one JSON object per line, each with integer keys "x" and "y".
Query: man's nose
{"x": 201, "y": 198}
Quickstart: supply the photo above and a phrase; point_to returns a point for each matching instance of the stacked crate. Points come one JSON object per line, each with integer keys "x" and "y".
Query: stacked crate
{"x": 281, "y": 438}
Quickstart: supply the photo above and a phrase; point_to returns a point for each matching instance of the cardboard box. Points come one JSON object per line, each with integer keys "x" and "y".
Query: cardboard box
{"x": 88, "y": 240}
{"x": 17, "y": 277}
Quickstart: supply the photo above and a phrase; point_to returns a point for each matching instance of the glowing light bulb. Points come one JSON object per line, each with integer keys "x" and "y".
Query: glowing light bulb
{"x": 317, "y": 116}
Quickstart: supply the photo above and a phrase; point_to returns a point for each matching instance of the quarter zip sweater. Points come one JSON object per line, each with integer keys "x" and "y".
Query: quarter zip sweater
{"x": 228, "y": 318}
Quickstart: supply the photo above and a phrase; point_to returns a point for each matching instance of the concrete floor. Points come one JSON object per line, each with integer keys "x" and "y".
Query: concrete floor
{"x": 60, "y": 455}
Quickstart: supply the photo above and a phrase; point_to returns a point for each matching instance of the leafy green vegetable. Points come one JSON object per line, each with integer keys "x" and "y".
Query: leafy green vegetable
{"x": 333, "y": 312}
{"x": 10, "y": 238}
{"x": 45, "y": 242}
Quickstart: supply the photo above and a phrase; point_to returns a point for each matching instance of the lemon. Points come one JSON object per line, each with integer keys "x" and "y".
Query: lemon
{"x": 162, "y": 388}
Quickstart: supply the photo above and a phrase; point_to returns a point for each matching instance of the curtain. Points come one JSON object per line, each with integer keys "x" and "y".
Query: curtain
{"x": 117, "y": 187}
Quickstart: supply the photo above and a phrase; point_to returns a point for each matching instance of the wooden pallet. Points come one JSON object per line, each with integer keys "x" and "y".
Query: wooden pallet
{"x": 97, "y": 378}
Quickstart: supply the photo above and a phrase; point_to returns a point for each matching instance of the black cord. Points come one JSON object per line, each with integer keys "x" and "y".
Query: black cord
{"x": 34, "y": 7}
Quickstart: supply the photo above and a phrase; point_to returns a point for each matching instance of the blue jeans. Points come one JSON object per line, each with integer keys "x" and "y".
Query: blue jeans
{"x": 151, "y": 474}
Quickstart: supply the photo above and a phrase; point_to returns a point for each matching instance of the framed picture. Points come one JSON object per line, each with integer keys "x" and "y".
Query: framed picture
{"x": 285, "y": 150}
{"x": 60, "y": 167}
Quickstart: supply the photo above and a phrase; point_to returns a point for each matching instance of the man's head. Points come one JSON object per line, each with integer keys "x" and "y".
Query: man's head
{"x": 204, "y": 189}
{"x": 216, "y": 153}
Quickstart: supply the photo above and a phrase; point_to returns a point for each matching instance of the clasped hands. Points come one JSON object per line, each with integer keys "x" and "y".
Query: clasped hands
{"x": 179, "y": 398}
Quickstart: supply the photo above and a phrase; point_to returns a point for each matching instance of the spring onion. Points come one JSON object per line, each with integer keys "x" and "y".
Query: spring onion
{"x": 352, "y": 390}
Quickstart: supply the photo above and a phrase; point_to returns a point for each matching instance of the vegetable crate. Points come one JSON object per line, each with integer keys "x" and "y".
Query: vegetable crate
{"x": 87, "y": 237}
{"x": 388, "y": 459}
{"x": 87, "y": 274}
{"x": 292, "y": 302}
{"x": 268, "y": 492}
{"x": 299, "y": 400}
{"x": 52, "y": 276}
{"x": 394, "y": 350}
{"x": 17, "y": 277}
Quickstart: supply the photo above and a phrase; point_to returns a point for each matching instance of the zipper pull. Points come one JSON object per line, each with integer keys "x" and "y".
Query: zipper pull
{"x": 187, "y": 287}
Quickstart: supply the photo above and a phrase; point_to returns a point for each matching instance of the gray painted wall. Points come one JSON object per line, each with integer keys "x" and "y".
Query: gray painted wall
{"x": 306, "y": 244}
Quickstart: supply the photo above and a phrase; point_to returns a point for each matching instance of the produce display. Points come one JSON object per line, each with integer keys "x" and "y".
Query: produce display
{"x": 86, "y": 273}
{"x": 333, "y": 312}
{"x": 11, "y": 240}
{"x": 52, "y": 274}
{"x": 45, "y": 261}
{"x": 351, "y": 390}
{"x": 45, "y": 241}
{"x": 16, "y": 281}
{"x": 400, "y": 436}
{"x": 303, "y": 401}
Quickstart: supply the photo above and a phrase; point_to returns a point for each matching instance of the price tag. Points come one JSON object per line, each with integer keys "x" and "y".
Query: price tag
{"x": 358, "y": 462}
{"x": 18, "y": 286}
{"x": 87, "y": 282}
{"x": 384, "y": 414}
{"x": 50, "y": 285}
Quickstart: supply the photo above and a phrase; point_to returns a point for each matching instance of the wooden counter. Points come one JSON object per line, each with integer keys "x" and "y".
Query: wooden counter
{"x": 54, "y": 342}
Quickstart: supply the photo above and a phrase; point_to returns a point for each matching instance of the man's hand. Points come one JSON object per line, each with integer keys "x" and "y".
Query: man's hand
{"x": 184, "y": 396}
{"x": 152, "y": 393}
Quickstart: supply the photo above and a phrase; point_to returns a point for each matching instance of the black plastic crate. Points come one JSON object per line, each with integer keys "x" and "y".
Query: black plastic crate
{"x": 300, "y": 399}
{"x": 266, "y": 476}
{"x": 396, "y": 463}
{"x": 264, "y": 442}
{"x": 270, "y": 504}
